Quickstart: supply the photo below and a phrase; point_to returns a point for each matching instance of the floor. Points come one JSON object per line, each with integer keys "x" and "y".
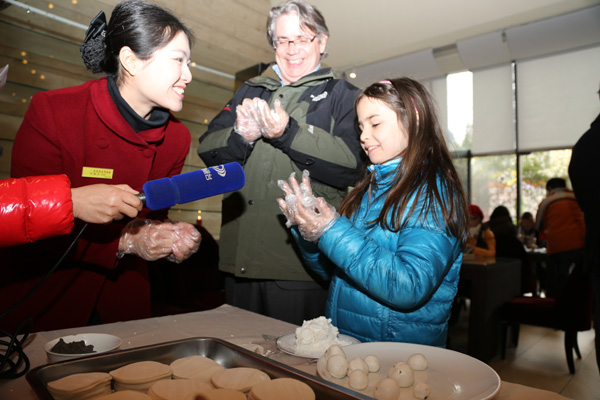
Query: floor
{"x": 539, "y": 361}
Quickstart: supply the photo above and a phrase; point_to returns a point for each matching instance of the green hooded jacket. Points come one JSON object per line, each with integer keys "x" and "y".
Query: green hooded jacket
{"x": 321, "y": 136}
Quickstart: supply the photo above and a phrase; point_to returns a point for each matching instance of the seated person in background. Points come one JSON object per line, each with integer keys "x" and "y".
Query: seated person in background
{"x": 526, "y": 231}
{"x": 481, "y": 240}
{"x": 508, "y": 246}
{"x": 501, "y": 222}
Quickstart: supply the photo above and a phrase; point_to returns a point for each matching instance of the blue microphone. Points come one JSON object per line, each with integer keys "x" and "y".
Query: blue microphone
{"x": 192, "y": 186}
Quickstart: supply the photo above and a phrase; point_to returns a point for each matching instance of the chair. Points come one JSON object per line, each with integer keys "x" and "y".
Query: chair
{"x": 571, "y": 312}
{"x": 510, "y": 247}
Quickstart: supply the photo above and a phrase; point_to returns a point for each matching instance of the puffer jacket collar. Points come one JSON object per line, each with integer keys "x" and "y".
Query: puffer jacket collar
{"x": 385, "y": 173}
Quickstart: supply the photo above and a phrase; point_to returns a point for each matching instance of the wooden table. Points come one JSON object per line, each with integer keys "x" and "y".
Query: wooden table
{"x": 488, "y": 282}
{"x": 229, "y": 323}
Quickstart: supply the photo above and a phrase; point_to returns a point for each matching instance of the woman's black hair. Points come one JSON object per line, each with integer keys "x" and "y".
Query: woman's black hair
{"x": 142, "y": 26}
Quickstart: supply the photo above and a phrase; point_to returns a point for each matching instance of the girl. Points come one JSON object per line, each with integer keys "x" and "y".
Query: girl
{"x": 393, "y": 253}
{"x": 114, "y": 130}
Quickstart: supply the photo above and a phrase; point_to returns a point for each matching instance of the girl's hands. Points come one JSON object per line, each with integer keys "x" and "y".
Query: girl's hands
{"x": 314, "y": 216}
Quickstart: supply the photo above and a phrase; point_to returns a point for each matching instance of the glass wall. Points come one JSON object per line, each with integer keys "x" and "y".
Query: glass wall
{"x": 494, "y": 183}
{"x": 505, "y": 179}
{"x": 536, "y": 169}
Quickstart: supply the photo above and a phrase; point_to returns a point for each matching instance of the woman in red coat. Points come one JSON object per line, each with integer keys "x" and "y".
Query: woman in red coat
{"x": 39, "y": 207}
{"x": 114, "y": 130}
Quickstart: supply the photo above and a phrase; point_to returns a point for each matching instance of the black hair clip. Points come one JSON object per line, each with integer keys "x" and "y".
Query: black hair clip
{"x": 97, "y": 27}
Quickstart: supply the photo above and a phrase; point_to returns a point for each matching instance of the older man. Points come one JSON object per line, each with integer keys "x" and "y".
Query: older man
{"x": 297, "y": 115}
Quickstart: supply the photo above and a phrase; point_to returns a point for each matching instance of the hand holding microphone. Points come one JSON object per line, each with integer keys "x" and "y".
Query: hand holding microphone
{"x": 101, "y": 203}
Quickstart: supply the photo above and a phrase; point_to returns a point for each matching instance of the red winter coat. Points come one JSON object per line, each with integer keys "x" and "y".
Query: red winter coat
{"x": 64, "y": 131}
{"x": 34, "y": 208}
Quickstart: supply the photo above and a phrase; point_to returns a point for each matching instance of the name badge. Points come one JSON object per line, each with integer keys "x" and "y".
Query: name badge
{"x": 100, "y": 173}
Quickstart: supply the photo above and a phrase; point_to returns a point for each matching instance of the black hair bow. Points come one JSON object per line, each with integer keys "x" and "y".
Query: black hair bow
{"x": 97, "y": 27}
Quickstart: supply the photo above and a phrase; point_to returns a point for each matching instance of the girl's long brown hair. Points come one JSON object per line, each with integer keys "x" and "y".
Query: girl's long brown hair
{"x": 425, "y": 160}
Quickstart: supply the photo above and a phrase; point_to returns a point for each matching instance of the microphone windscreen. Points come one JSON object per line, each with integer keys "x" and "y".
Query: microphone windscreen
{"x": 192, "y": 186}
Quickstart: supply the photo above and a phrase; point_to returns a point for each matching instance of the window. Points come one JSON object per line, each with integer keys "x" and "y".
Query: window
{"x": 460, "y": 110}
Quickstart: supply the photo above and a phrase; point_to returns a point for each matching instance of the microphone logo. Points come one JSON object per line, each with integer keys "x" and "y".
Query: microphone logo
{"x": 220, "y": 169}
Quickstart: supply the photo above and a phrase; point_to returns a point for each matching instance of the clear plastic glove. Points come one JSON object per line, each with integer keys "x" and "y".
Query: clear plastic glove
{"x": 288, "y": 205}
{"x": 246, "y": 124}
{"x": 148, "y": 239}
{"x": 272, "y": 122}
{"x": 314, "y": 216}
{"x": 101, "y": 203}
{"x": 186, "y": 241}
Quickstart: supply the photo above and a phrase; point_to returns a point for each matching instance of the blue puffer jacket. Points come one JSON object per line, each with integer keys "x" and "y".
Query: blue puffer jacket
{"x": 387, "y": 286}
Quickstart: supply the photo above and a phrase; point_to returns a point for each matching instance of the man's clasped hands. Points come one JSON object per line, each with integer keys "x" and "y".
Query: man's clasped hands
{"x": 255, "y": 120}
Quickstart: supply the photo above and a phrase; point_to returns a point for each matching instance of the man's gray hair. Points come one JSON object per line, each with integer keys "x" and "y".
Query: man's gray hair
{"x": 310, "y": 18}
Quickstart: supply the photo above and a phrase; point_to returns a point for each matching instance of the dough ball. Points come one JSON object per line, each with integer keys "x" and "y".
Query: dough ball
{"x": 402, "y": 373}
{"x": 337, "y": 365}
{"x": 373, "y": 363}
{"x": 386, "y": 389}
{"x": 334, "y": 349}
{"x": 358, "y": 379}
{"x": 421, "y": 390}
{"x": 418, "y": 362}
{"x": 358, "y": 363}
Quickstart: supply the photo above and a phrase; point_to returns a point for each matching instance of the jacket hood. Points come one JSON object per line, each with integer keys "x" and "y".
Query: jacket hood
{"x": 270, "y": 80}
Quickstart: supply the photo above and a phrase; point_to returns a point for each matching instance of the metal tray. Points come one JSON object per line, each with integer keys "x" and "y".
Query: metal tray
{"x": 227, "y": 354}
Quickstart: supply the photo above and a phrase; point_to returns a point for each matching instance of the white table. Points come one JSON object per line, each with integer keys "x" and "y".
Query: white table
{"x": 229, "y": 323}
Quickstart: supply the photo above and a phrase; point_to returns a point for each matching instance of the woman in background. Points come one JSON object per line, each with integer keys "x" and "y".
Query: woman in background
{"x": 481, "y": 240}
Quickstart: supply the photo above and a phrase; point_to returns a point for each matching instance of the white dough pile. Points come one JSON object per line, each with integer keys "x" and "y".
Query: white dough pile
{"x": 317, "y": 335}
